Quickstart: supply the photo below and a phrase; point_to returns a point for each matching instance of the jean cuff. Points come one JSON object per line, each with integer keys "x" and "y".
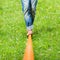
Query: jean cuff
{"x": 30, "y": 27}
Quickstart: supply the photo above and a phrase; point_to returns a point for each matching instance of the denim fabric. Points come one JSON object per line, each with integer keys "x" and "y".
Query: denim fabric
{"x": 29, "y": 8}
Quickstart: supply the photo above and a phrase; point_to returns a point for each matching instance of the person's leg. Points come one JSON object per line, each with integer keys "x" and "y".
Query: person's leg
{"x": 27, "y": 13}
{"x": 33, "y": 9}
{"x": 33, "y": 4}
{"x": 26, "y": 5}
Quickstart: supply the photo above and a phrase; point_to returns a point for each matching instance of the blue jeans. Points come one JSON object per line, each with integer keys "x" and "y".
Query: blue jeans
{"x": 29, "y": 8}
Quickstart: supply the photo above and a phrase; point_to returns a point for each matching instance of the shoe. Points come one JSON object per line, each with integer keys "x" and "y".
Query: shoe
{"x": 29, "y": 32}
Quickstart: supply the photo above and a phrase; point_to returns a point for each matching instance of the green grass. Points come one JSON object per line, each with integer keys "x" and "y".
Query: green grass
{"x": 46, "y": 38}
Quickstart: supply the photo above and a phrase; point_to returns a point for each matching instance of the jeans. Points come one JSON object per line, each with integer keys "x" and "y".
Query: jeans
{"x": 29, "y": 8}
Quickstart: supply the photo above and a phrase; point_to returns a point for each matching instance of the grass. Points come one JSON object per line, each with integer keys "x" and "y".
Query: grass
{"x": 46, "y": 38}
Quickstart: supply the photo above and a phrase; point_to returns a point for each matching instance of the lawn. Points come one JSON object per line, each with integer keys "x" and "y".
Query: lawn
{"x": 46, "y": 37}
